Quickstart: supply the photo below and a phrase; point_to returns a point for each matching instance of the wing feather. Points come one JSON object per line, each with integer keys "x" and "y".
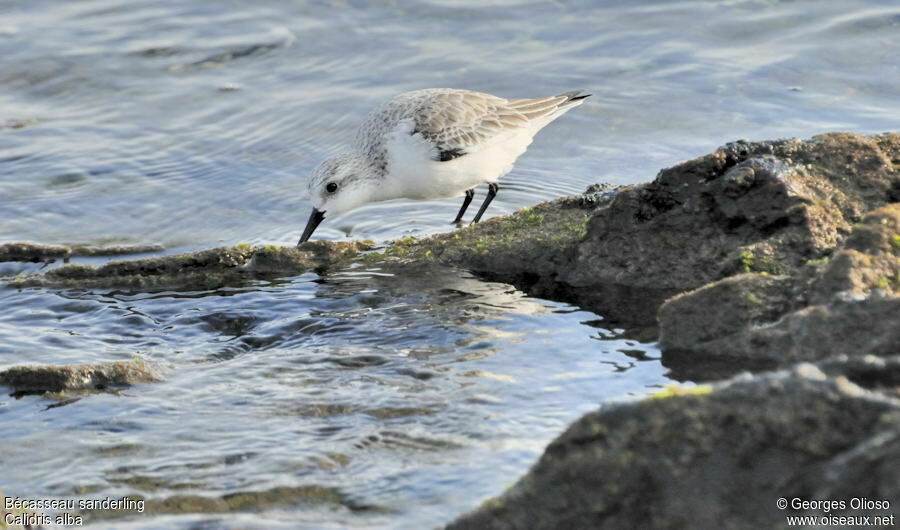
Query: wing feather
{"x": 456, "y": 121}
{"x": 461, "y": 120}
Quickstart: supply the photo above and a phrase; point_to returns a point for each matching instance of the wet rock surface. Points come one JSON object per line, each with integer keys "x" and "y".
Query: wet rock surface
{"x": 535, "y": 249}
{"x": 37, "y": 379}
{"x": 748, "y": 207}
{"x": 205, "y": 268}
{"x": 32, "y": 252}
{"x": 789, "y": 251}
{"x": 848, "y": 304}
{"x": 717, "y": 456}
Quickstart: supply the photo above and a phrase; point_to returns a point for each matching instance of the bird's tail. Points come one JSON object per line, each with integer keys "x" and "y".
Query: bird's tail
{"x": 573, "y": 97}
{"x": 545, "y": 110}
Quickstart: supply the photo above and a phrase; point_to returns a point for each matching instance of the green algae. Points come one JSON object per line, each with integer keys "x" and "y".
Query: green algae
{"x": 748, "y": 262}
{"x": 674, "y": 390}
{"x": 512, "y": 243}
{"x": 526, "y": 217}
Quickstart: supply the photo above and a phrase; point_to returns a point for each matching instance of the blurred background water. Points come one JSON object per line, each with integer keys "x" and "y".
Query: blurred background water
{"x": 195, "y": 124}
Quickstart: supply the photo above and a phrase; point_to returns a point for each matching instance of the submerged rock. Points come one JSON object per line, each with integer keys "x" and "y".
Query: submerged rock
{"x": 197, "y": 267}
{"x": 208, "y": 268}
{"x": 47, "y": 378}
{"x": 13, "y": 517}
{"x": 716, "y": 457}
{"x": 32, "y": 252}
{"x": 113, "y": 250}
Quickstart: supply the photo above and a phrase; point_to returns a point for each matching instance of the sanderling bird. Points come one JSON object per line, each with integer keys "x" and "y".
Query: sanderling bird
{"x": 432, "y": 144}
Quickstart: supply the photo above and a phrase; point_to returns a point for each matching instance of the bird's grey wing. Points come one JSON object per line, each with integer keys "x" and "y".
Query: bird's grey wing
{"x": 458, "y": 121}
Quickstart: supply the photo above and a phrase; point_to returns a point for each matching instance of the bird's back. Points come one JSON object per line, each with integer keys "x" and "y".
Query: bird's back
{"x": 457, "y": 121}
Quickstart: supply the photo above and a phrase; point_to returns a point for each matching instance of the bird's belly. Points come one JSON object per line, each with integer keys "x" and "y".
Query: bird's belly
{"x": 417, "y": 176}
{"x": 432, "y": 180}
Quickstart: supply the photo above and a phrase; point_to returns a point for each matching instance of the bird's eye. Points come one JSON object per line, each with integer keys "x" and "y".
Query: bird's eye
{"x": 331, "y": 187}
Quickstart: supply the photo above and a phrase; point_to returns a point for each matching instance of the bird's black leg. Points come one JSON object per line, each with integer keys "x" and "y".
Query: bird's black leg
{"x": 492, "y": 192}
{"x": 469, "y": 194}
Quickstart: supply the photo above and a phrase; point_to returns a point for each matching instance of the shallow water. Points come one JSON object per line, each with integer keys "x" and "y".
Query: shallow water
{"x": 412, "y": 395}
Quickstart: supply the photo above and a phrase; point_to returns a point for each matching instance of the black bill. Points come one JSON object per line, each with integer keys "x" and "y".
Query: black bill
{"x": 314, "y": 219}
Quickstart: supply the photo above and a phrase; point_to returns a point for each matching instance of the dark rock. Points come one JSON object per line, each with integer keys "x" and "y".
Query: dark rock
{"x": 720, "y": 309}
{"x": 868, "y": 260}
{"x": 47, "y": 378}
{"x": 207, "y": 268}
{"x": 849, "y": 305}
{"x": 31, "y": 252}
{"x": 312, "y": 255}
{"x": 713, "y": 457}
{"x": 115, "y": 250}
{"x": 880, "y": 374}
{"x": 748, "y": 207}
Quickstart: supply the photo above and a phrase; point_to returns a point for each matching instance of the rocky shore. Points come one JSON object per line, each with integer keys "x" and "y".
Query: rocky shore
{"x": 718, "y": 456}
{"x": 784, "y": 252}
{"x": 772, "y": 268}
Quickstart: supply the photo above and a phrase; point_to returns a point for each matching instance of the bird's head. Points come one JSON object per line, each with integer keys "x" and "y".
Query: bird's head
{"x": 340, "y": 184}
